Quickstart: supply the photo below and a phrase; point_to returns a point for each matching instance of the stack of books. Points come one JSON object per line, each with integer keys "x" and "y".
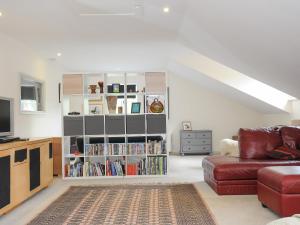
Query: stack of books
{"x": 156, "y": 147}
{"x": 136, "y": 167}
{"x": 74, "y": 169}
{"x": 94, "y": 149}
{"x": 116, "y": 149}
{"x": 157, "y": 165}
{"x": 136, "y": 149}
{"x": 115, "y": 168}
{"x": 94, "y": 169}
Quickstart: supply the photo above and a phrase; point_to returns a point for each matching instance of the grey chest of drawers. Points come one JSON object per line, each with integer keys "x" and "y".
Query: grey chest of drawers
{"x": 195, "y": 142}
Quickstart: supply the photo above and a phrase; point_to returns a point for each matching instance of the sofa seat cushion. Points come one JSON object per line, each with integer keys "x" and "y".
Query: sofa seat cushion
{"x": 284, "y": 179}
{"x": 222, "y": 168}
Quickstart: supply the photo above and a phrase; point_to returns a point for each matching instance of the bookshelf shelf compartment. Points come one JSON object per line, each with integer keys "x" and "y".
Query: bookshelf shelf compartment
{"x": 115, "y": 135}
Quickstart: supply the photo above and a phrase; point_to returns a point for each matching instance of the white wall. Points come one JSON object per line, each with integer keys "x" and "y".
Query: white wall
{"x": 276, "y": 119}
{"x": 16, "y": 58}
{"x": 206, "y": 110}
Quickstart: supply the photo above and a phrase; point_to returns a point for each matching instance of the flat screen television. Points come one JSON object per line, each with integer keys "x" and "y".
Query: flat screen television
{"x": 6, "y": 117}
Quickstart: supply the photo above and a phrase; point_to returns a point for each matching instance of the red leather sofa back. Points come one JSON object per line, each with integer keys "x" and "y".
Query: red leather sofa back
{"x": 291, "y": 137}
{"x": 254, "y": 143}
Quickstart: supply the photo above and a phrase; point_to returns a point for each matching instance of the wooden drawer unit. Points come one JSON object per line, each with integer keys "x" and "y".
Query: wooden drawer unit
{"x": 196, "y": 142}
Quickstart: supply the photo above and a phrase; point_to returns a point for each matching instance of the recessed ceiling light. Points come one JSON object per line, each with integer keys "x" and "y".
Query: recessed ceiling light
{"x": 166, "y": 9}
{"x": 1, "y": 14}
{"x": 59, "y": 54}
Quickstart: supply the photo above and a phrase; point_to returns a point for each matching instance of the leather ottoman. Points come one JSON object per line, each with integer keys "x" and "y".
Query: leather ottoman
{"x": 236, "y": 176}
{"x": 278, "y": 188}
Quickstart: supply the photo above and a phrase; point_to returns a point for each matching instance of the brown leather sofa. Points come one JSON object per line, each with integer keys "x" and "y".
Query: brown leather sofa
{"x": 238, "y": 176}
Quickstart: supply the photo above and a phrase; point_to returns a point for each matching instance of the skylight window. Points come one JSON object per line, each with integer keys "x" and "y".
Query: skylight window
{"x": 235, "y": 79}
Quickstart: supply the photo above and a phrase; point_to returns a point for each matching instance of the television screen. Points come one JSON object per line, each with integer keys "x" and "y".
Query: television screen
{"x": 5, "y": 120}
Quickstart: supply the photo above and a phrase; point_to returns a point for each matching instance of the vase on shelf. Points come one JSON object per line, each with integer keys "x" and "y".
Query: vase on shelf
{"x": 100, "y": 83}
{"x": 156, "y": 106}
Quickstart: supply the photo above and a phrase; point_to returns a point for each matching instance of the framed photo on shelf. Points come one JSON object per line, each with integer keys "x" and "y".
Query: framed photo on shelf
{"x": 187, "y": 125}
{"x": 116, "y": 88}
{"x": 136, "y": 107}
{"x": 95, "y": 106}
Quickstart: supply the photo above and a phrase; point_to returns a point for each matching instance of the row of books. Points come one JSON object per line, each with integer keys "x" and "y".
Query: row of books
{"x": 116, "y": 149}
{"x": 94, "y": 149}
{"x": 136, "y": 149}
{"x": 136, "y": 167}
{"x": 91, "y": 169}
{"x": 115, "y": 168}
{"x": 157, "y": 165}
{"x": 156, "y": 147}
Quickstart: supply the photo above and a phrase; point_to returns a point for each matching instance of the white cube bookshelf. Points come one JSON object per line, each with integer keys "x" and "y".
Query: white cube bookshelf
{"x": 105, "y": 135}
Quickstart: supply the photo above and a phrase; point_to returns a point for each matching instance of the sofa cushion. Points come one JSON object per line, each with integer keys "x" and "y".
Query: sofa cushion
{"x": 222, "y": 168}
{"x": 284, "y": 179}
{"x": 291, "y": 137}
{"x": 255, "y": 143}
{"x": 285, "y": 153}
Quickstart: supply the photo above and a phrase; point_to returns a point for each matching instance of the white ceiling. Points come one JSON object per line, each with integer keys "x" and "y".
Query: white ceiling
{"x": 257, "y": 38}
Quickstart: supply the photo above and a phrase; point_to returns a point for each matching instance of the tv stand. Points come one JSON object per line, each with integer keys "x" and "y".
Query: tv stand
{"x": 8, "y": 139}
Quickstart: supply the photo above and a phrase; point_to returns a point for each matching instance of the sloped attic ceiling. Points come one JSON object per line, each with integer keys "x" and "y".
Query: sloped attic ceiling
{"x": 261, "y": 38}
{"x": 256, "y": 38}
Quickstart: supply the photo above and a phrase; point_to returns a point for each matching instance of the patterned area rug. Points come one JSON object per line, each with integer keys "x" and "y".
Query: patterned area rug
{"x": 128, "y": 205}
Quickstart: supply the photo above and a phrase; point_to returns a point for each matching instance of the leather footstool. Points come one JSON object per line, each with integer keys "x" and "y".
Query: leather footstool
{"x": 278, "y": 188}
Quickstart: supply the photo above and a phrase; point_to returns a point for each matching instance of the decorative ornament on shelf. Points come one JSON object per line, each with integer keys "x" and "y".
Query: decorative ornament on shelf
{"x": 156, "y": 106}
{"x": 120, "y": 110}
{"x": 93, "y": 88}
{"x": 101, "y": 84}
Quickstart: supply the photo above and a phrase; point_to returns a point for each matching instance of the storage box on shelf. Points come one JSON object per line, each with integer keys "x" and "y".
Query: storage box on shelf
{"x": 115, "y": 125}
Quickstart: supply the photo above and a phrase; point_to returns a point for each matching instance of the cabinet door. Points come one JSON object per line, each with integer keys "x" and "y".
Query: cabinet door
{"x": 57, "y": 156}
{"x": 46, "y": 164}
{"x": 20, "y": 175}
{"x": 35, "y": 168}
{"x": 4, "y": 179}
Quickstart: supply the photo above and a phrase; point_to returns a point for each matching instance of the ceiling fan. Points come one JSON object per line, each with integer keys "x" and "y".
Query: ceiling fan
{"x": 107, "y": 7}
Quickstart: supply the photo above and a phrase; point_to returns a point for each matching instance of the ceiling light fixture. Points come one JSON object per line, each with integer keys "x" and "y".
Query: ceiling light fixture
{"x": 166, "y": 9}
{"x": 1, "y": 14}
{"x": 59, "y": 54}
